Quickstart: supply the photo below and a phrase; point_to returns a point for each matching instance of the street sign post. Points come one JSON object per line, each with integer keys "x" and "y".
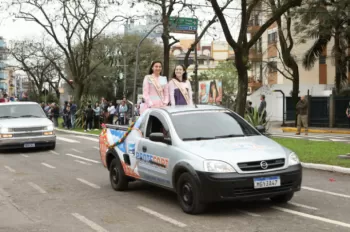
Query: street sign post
{"x": 183, "y": 25}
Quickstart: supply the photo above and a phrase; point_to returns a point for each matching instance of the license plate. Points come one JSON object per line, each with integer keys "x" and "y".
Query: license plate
{"x": 267, "y": 182}
{"x": 27, "y": 145}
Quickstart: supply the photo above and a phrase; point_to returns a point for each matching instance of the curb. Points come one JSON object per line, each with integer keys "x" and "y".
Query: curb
{"x": 75, "y": 132}
{"x": 325, "y": 167}
{"x": 293, "y": 129}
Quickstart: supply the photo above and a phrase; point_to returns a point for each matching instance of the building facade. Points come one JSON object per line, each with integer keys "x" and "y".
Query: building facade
{"x": 3, "y": 70}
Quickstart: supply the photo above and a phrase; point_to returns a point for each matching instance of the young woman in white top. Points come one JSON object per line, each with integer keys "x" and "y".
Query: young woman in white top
{"x": 180, "y": 89}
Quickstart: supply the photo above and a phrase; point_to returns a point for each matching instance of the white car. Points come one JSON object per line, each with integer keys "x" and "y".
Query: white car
{"x": 203, "y": 153}
{"x": 25, "y": 125}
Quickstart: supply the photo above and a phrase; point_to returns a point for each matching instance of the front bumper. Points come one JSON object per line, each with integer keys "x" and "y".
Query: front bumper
{"x": 39, "y": 141}
{"x": 238, "y": 186}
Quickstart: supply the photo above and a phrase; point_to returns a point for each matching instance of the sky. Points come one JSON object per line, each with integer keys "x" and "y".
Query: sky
{"x": 13, "y": 28}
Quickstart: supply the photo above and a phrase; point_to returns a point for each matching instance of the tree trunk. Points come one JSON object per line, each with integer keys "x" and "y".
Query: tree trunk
{"x": 242, "y": 70}
{"x": 295, "y": 92}
{"x": 166, "y": 52}
{"x": 78, "y": 93}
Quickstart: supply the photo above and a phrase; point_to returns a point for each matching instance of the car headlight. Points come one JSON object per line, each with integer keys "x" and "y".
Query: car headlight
{"x": 293, "y": 159}
{"x": 4, "y": 130}
{"x": 217, "y": 166}
{"x": 49, "y": 128}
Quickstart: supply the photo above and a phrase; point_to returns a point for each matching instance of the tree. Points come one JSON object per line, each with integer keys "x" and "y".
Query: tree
{"x": 81, "y": 22}
{"x": 286, "y": 41}
{"x": 166, "y": 8}
{"x": 227, "y": 73}
{"x": 241, "y": 46}
{"x": 39, "y": 70}
{"x": 324, "y": 21}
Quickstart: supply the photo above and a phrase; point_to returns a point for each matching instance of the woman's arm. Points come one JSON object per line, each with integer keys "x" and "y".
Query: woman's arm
{"x": 190, "y": 92}
{"x": 166, "y": 94}
{"x": 145, "y": 90}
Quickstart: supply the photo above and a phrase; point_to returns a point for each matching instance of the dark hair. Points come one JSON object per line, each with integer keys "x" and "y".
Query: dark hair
{"x": 184, "y": 75}
{"x": 263, "y": 96}
{"x": 210, "y": 90}
{"x": 152, "y": 64}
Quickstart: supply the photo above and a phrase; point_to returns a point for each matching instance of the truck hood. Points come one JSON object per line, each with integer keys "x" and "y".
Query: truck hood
{"x": 25, "y": 122}
{"x": 236, "y": 150}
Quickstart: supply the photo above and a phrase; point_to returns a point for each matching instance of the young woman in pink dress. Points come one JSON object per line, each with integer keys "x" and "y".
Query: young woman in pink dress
{"x": 155, "y": 87}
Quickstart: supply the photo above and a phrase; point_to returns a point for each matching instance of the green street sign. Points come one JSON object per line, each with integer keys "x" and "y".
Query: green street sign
{"x": 183, "y": 25}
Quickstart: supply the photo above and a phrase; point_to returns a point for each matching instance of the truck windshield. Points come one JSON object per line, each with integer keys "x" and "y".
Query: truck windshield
{"x": 21, "y": 111}
{"x": 204, "y": 125}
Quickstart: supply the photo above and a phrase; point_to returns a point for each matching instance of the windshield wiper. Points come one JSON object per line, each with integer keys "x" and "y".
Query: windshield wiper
{"x": 29, "y": 116}
{"x": 198, "y": 138}
{"x": 228, "y": 136}
{"x": 8, "y": 116}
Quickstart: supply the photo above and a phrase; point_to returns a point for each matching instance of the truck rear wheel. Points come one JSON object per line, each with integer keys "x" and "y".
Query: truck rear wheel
{"x": 188, "y": 194}
{"x": 119, "y": 180}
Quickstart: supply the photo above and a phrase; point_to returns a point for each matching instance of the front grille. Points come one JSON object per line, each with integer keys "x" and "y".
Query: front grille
{"x": 26, "y": 129}
{"x": 256, "y": 165}
{"x": 250, "y": 191}
{"x": 27, "y": 134}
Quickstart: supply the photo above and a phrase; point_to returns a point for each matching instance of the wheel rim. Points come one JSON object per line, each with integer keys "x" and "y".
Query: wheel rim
{"x": 115, "y": 175}
{"x": 187, "y": 194}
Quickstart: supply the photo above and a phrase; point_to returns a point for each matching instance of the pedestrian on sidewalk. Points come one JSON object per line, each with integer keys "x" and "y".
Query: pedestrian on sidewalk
{"x": 302, "y": 118}
{"x": 348, "y": 114}
{"x": 89, "y": 115}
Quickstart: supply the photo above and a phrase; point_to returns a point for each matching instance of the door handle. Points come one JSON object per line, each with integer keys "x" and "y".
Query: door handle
{"x": 144, "y": 149}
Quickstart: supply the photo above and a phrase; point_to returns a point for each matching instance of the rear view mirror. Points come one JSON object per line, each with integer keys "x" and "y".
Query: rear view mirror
{"x": 156, "y": 137}
{"x": 159, "y": 137}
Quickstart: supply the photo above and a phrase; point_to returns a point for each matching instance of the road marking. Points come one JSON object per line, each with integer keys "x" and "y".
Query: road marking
{"x": 83, "y": 158}
{"x": 88, "y": 138}
{"x": 302, "y": 206}
{"x": 48, "y": 165}
{"x": 97, "y": 148}
{"x": 10, "y": 169}
{"x": 24, "y": 155}
{"x": 88, "y": 183}
{"x": 91, "y": 224}
{"x": 76, "y": 150}
{"x": 55, "y": 153}
{"x": 161, "y": 216}
{"x": 37, "y": 187}
{"x": 338, "y": 223}
{"x": 82, "y": 162}
{"x": 327, "y": 192}
{"x": 67, "y": 140}
{"x": 248, "y": 213}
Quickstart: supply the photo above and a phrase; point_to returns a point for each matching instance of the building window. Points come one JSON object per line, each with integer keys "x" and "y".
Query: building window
{"x": 272, "y": 38}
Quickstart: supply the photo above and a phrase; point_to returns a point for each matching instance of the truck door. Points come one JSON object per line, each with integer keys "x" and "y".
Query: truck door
{"x": 153, "y": 157}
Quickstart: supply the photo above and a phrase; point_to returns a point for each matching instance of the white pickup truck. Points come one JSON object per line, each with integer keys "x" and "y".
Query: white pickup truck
{"x": 203, "y": 153}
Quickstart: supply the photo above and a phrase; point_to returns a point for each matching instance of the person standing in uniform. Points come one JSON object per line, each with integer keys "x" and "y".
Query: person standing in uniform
{"x": 302, "y": 111}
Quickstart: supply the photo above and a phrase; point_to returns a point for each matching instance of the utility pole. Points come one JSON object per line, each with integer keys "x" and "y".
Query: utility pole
{"x": 196, "y": 72}
{"x": 125, "y": 69}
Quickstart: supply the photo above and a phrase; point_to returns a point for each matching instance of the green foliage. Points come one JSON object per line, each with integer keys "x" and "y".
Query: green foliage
{"x": 106, "y": 79}
{"x": 255, "y": 119}
{"x": 80, "y": 115}
{"x": 227, "y": 73}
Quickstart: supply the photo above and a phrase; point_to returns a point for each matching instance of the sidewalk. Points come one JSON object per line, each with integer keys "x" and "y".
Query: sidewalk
{"x": 276, "y": 127}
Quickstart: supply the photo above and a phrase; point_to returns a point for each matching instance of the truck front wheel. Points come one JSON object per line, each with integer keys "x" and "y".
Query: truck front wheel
{"x": 117, "y": 176}
{"x": 188, "y": 194}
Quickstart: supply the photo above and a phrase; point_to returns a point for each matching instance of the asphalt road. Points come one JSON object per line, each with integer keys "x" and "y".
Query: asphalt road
{"x": 69, "y": 190}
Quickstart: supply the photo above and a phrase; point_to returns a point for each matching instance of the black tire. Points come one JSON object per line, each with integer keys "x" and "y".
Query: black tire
{"x": 188, "y": 194}
{"x": 282, "y": 198}
{"x": 119, "y": 181}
